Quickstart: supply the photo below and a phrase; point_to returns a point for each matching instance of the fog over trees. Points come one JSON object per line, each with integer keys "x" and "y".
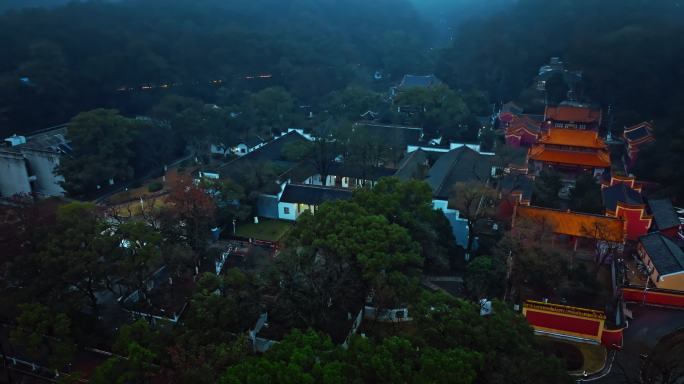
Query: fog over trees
{"x": 331, "y": 179}
{"x": 127, "y": 55}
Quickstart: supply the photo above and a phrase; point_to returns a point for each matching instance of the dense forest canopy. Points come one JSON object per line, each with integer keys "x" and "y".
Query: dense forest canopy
{"x": 59, "y": 61}
{"x": 179, "y": 140}
{"x": 629, "y": 51}
{"x": 130, "y": 54}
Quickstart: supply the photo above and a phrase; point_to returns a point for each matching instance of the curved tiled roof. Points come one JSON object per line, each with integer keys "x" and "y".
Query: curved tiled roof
{"x": 412, "y": 81}
{"x": 620, "y": 193}
{"x": 577, "y": 224}
{"x": 600, "y": 159}
{"x": 638, "y": 132}
{"x": 372, "y": 173}
{"x": 573, "y": 137}
{"x": 573, "y": 114}
{"x": 663, "y": 213}
{"x": 462, "y": 164}
{"x": 313, "y": 194}
{"x": 667, "y": 257}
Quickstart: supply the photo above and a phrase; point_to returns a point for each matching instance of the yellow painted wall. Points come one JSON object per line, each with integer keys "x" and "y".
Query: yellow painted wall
{"x": 673, "y": 282}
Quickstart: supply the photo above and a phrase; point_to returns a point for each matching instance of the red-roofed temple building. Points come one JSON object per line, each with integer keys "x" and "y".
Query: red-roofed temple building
{"x": 570, "y": 151}
{"x": 522, "y": 131}
{"x": 572, "y": 116}
{"x": 574, "y": 226}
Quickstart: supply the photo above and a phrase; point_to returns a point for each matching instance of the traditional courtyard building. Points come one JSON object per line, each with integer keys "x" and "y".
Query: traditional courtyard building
{"x": 514, "y": 189}
{"x": 570, "y": 151}
{"x": 636, "y": 138}
{"x": 573, "y": 115}
{"x": 573, "y": 227}
{"x": 414, "y": 81}
{"x": 522, "y": 131}
{"x": 295, "y": 199}
{"x": 665, "y": 218}
{"x": 664, "y": 261}
{"x": 343, "y": 175}
{"x": 621, "y": 200}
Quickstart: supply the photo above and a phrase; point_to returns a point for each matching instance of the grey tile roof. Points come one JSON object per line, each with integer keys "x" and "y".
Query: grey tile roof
{"x": 347, "y": 170}
{"x": 518, "y": 182}
{"x": 271, "y": 152}
{"x": 413, "y": 81}
{"x": 620, "y": 193}
{"x": 458, "y": 165}
{"x": 251, "y": 141}
{"x": 313, "y": 194}
{"x": 639, "y": 132}
{"x": 663, "y": 213}
{"x": 267, "y": 206}
{"x": 411, "y": 165}
{"x": 399, "y": 135}
{"x": 299, "y": 172}
{"x": 539, "y": 118}
{"x": 666, "y": 256}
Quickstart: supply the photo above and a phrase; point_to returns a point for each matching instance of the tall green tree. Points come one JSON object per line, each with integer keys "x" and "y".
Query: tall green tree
{"x": 485, "y": 277}
{"x": 101, "y": 140}
{"x": 316, "y": 287}
{"x": 475, "y": 202}
{"x": 45, "y": 335}
{"x": 353, "y": 101}
{"x": 389, "y": 259}
{"x": 546, "y": 189}
{"x": 440, "y": 111}
{"x": 504, "y": 339}
{"x": 270, "y": 111}
{"x": 74, "y": 256}
{"x": 586, "y": 195}
{"x": 409, "y": 204}
{"x": 137, "y": 348}
{"x": 138, "y": 256}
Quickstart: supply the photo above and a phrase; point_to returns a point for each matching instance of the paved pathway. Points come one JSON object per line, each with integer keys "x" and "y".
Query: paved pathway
{"x": 649, "y": 325}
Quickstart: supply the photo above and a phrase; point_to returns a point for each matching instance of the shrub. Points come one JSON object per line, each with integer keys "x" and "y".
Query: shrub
{"x": 154, "y": 187}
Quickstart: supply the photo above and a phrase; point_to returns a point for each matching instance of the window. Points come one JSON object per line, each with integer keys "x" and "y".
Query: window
{"x": 286, "y": 210}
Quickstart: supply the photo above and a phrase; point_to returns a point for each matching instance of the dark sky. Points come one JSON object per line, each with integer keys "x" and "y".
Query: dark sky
{"x": 8, "y": 4}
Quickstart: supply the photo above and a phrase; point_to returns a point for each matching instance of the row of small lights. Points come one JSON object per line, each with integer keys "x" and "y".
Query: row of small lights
{"x": 147, "y": 87}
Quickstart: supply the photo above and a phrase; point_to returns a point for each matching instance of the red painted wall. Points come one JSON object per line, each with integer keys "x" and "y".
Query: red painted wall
{"x": 560, "y": 322}
{"x": 513, "y": 141}
{"x": 611, "y": 338}
{"x": 528, "y": 139}
{"x": 635, "y": 225}
{"x": 654, "y": 297}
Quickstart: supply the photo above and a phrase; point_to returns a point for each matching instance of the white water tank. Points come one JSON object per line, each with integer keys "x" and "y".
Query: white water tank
{"x": 15, "y": 140}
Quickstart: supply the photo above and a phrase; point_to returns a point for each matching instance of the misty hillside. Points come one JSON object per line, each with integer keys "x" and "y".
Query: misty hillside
{"x": 80, "y": 56}
{"x": 311, "y": 47}
{"x": 341, "y": 191}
